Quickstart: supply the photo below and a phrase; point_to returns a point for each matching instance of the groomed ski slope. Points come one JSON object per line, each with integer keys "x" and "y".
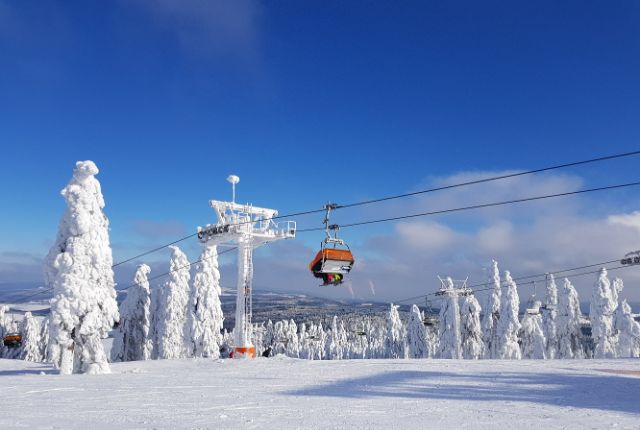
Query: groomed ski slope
{"x": 285, "y": 393}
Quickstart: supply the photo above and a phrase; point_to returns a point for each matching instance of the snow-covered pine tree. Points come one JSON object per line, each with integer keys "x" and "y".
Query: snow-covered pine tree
{"x": 205, "y": 317}
{"x": 132, "y": 340}
{"x": 279, "y": 342}
{"x": 492, "y": 314}
{"x": 30, "y": 330}
{"x": 628, "y": 332}
{"x": 416, "y": 335}
{"x": 450, "y": 342}
{"x": 472, "y": 344}
{"x": 171, "y": 329}
{"x": 78, "y": 268}
{"x": 269, "y": 335}
{"x": 533, "y": 342}
{"x": 3, "y": 329}
{"x": 601, "y": 312}
{"x": 509, "y": 323}
{"x": 335, "y": 348}
{"x": 44, "y": 339}
{"x": 568, "y": 323}
{"x": 293, "y": 346}
{"x": 394, "y": 342}
{"x": 549, "y": 313}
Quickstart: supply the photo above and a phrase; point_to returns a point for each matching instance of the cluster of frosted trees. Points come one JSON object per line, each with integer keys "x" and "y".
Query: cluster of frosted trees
{"x": 549, "y": 329}
{"x": 34, "y": 334}
{"x": 182, "y": 318}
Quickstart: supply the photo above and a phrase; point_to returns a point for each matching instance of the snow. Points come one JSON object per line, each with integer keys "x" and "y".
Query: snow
{"x": 288, "y": 393}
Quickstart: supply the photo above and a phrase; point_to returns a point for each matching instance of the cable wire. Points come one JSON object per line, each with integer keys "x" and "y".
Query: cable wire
{"x": 479, "y": 206}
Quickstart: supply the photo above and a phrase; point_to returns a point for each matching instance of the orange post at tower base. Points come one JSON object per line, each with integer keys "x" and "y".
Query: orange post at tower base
{"x": 244, "y": 352}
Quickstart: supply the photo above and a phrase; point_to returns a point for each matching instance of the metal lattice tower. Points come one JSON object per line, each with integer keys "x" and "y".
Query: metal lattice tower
{"x": 249, "y": 227}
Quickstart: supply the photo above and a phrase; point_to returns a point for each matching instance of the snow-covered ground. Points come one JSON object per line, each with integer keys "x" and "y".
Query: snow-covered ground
{"x": 288, "y": 393}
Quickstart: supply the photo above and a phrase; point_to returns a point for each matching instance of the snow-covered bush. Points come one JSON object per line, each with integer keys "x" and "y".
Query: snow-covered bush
{"x": 78, "y": 268}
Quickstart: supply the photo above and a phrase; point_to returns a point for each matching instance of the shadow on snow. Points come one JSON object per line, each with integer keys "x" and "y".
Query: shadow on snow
{"x": 612, "y": 392}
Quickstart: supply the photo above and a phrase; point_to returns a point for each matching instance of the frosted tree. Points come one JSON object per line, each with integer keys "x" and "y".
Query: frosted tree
{"x": 549, "y": 313}
{"x": 509, "y": 324}
{"x": 335, "y": 348}
{"x": 450, "y": 342}
{"x": 568, "y": 323}
{"x": 394, "y": 342}
{"x": 344, "y": 341}
{"x": 601, "y": 312}
{"x": 44, "y": 339}
{"x": 205, "y": 310}
{"x": 78, "y": 268}
{"x": 280, "y": 339}
{"x": 628, "y": 332}
{"x": 293, "y": 345}
{"x": 533, "y": 342}
{"x": 3, "y": 329}
{"x": 30, "y": 331}
{"x": 471, "y": 332}
{"x": 416, "y": 336}
{"x": 171, "y": 329}
{"x": 132, "y": 340}
{"x": 492, "y": 314}
{"x": 269, "y": 335}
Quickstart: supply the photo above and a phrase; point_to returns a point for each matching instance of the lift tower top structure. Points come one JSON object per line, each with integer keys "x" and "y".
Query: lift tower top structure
{"x": 249, "y": 227}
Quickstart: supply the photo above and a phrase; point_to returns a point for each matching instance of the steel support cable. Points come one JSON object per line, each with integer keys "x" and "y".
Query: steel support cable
{"x": 398, "y": 196}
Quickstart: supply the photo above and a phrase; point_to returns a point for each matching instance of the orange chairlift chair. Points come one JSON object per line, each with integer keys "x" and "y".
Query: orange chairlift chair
{"x": 334, "y": 260}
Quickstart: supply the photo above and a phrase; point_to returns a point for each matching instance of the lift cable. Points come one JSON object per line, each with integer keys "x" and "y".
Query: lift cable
{"x": 479, "y": 206}
{"x": 398, "y": 196}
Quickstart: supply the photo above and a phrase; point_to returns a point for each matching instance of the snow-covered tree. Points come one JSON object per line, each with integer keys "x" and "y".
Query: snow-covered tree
{"x": 30, "y": 331}
{"x": 78, "y": 267}
{"x": 205, "y": 310}
{"x": 171, "y": 319}
{"x": 628, "y": 332}
{"x": 132, "y": 340}
{"x": 431, "y": 338}
{"x": 335, "y": 348}
{"x": 533, "y": 342}
{"x": 280, "y": 338}
{"x": 3, "y": 329}
{"x": 509, "y": 323}
{"x": 416, "y": 336}
{"x": 450, "y": 341}
{"x": 471, "y": 332}
{"x": 549, "y": 313}
{"x": 394, "y": 342}
{"x": 568, "y": 323}
{"x": 601, "y": 312}
{"x": 269, "y": 335}
{"x": 44, "y": 339}
{"x": 293, "y": 345}
{"x": 492, "y": 315}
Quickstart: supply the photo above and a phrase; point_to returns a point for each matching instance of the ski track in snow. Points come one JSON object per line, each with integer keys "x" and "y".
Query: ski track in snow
{"x": 289, "y": 393}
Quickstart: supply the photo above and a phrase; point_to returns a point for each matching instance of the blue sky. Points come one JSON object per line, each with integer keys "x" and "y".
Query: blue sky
{"x": 308, "y": 102}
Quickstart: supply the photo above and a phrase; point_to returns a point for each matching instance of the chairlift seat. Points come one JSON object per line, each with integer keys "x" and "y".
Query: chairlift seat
{"x": 332, "y": 260}
{"x": 13, "y": 340}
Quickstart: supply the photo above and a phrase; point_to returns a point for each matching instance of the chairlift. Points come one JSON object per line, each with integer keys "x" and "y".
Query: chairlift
{"x": 334, "y": 260}
{"x": 12, "y": 339}
{"x": 430, "y": 318}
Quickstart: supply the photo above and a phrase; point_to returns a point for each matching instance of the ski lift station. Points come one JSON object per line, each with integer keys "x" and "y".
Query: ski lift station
{"x": 247, "y": 227}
